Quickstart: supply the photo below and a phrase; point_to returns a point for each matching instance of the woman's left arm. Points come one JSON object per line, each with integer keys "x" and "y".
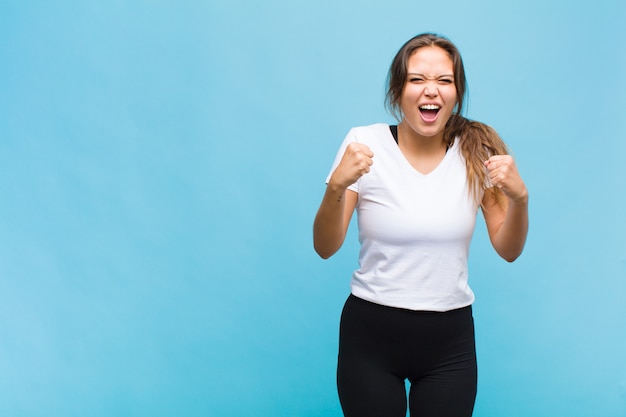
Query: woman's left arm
{"x": 507, "y": 221}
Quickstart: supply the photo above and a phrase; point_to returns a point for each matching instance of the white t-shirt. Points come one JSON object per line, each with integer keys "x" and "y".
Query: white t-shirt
{"x": 414, "y": 229}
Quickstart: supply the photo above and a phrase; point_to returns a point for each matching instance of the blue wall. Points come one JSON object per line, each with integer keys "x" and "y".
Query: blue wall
{"x": 162, "y": 163}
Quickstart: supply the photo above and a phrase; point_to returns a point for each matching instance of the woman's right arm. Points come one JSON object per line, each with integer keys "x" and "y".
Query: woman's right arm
{"x": 332, "y": 220}
{"x": 333, "y": 217}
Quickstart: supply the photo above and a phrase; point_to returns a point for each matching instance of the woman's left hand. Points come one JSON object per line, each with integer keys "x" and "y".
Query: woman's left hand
{"x": 503, "y": 174}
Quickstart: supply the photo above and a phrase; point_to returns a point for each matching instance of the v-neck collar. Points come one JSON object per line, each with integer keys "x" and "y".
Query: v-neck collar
{"x": 393, "y": 135}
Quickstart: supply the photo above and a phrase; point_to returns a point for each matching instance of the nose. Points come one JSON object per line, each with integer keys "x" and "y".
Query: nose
{"x": 430, "y": 90}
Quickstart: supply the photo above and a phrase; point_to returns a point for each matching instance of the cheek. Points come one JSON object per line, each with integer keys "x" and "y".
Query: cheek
{"x": 409, "y": 95}
{"x": 451, "y": 97}
{"x": 451, "y": 93}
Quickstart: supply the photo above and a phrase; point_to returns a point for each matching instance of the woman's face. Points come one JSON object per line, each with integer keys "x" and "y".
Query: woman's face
{"x": 429, "y": 94}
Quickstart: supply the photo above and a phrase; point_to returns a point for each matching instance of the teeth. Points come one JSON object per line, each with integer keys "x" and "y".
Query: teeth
{"x": 429, "y": 107}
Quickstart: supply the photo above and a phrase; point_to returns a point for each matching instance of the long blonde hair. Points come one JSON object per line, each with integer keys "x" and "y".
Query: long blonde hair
{"x": 477, "y": 140}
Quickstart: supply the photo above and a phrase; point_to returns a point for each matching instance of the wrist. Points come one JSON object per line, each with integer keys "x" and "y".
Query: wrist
{"x": 335, "y": 186}
{"x": 521, "y": 199}
{"x": 335, "y": 191}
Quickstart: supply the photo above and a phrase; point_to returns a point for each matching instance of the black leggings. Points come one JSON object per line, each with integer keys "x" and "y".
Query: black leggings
{"x": 380, "y": 347}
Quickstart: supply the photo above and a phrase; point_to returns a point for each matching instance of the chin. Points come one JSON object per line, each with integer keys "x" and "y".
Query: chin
{"x": 428, "y": 133}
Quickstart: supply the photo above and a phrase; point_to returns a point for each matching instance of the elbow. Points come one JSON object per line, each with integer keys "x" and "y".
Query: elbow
{"x": 510, "y": 252}
{"x": 325, "y": 247}
{"x": 511, "y": 256}
{"x": 323, "y": 253}
{"x": 510, "y": 259}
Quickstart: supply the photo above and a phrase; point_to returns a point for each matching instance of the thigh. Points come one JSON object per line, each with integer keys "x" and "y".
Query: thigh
{"x": 367, "y": 384}
{"x": 447, "y": 394}
{"x": 367, "y": 391}
{"x": 449, "y": 388}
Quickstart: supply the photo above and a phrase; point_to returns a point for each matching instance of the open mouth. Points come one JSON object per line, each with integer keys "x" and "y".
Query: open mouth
{"x": 429, "y": 112}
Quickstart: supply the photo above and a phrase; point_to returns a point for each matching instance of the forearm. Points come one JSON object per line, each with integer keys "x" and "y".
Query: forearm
{"x": 511, "y": 236}
{"x": 332, "y": 219}
{"x": 329, "y": 229}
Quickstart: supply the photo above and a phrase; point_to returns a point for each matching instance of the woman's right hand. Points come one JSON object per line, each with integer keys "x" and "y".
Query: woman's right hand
{"x": 355, "y": 162}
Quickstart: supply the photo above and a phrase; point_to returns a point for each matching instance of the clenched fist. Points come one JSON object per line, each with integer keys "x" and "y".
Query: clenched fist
{"x": 503, "y": 174}
{"x": 356, "y": 162}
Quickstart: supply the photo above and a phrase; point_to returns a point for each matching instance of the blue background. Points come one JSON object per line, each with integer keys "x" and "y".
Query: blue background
{"x": 162, "y": 163}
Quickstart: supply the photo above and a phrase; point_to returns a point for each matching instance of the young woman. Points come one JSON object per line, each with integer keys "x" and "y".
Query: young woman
{"x": 417, "y": 188}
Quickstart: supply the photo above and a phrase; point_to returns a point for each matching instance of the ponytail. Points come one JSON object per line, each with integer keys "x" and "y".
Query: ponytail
{"x": 477, "y": 142}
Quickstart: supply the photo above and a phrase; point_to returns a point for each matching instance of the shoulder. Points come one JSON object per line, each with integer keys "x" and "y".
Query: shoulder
{"x": 371, "y": 129}
{"x": 371, "y": 133}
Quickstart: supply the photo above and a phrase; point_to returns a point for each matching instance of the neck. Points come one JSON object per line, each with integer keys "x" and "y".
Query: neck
{"x": 412, "y": 141}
